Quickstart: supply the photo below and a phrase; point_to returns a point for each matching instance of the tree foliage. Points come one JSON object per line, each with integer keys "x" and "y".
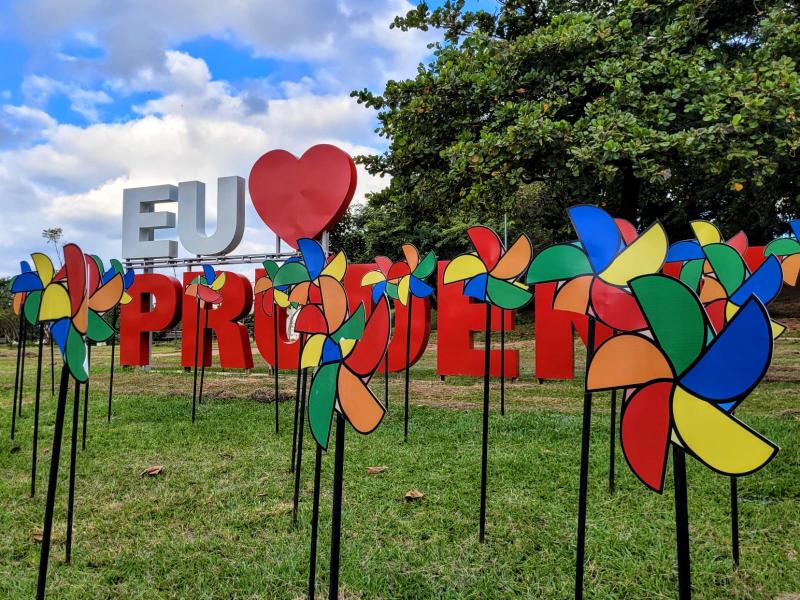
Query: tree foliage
{"x": 653, "y": 109}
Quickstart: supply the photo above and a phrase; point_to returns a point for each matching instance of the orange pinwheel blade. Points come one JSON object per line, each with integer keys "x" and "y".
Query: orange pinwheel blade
{"x": 627, "y": 361}
{"x": 411, "y": 255}
{"x": 358, "y": 403}
{"x": 515, "y": 260}
{"x": 334, "y": 302}
{"x": 108, "y": 296}
{"x": 573, "y": 296}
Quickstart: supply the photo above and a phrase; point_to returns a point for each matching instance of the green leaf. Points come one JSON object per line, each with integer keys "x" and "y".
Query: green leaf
{"x": 675, "y": 316}
{"x": 426, "y": 266}
{"x": 737, "y": 118}
{"x": 321, "y": 398}
{"x": 557, "y": 263}
{"x": 353, "y": 328}
{"x": 727, "y": 264}
{"x": 506, "y": 295}
{"x": 782, "y": 247}
{"x": 98, "y": 330}
{"x": 75, "y": 355}
{"x": 691, "y": 272}
{"x": 290, "y": 274}
{"x": 31, "y": 307}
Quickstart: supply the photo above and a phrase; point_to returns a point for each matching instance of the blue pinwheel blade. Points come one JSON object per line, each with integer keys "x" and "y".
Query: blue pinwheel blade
{"x": 795, "y": 226}
{"x": 684, "y": 250}
{"x": 24, "y": 266}
{"x": 765, "y": 283}
{"x": 378, "y": 290}
{"x": 108, "y": 275}
{"x": 476, "y": 287}
{"x": 330, "y": 351}
{"x": 59, "y": 331}
{"x": 127, "y": 279}
{"x": 419, "y": 288}
{"x": 598, "y": 232}
{"x": 737, "y": 358}
{"x": 26, "y": 282}
{"x": 210, "y": 274}
{"x": 313, "y": 256}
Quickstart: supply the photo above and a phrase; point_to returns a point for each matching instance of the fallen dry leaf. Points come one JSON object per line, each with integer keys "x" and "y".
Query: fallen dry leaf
{"x": 37, "y": 536}
{"x": 791, "y": 554}
{"x": 412, "y": 495}
{"x": 375, "y": 470}
{"x": 153, "y": 471}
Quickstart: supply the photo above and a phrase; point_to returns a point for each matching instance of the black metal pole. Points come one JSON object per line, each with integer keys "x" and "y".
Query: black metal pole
{"x": 16, "y": 375}
{"x": 36, "y": 410}
{"x": 584, "y": 471}
{"x": 502, "y": 362}
{"x": 86, "y": 396}
{"x": 336, "y": 515}
{"x": 735, "y": 522}
{"x": 275, "y": 328}
{"x": 203, "y": 368}
{"x": 73, "y": 457}
{"x": 299, "y": 465}
{"x": 47, "y": 528}
{"x": 196, "y": 352}
{"x": 297, "y": 401}
{"x": 408, "y": 366}
{"x": 113, "y": 348}
{"x": 682, "y": 523}
{"x": 386, "y": 369}
{"x": 613, "y": 448}
{"x": 22, "y": 366}
{"x": 485, "y": 436}
{"x": 312, "y": 559}
{"x": 52, "y": 365}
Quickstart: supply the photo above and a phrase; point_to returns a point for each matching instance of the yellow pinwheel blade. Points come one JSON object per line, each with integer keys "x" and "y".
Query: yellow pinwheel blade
{"x": 645, "y": 255}
{"x": 281, "y": 299}
{"x": 126, "y": 298}
{"x": 336, "y": 267}
{"x": 372, "y": 277}
{"x": 217, "y": 284}
{"x": 55, "y": 303}
{"x": 312, "y": 351}
{"x": 346, "y": 346}
{"x": 706, "y": 233}
{"x": 463, "y": 267}
{"x": 44, "y": 267}
{"x": 718, "y": 439}
{"x": 403, "y": 289}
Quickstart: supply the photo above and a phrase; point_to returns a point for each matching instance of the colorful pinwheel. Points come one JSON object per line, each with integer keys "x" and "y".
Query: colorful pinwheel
{"x": 270, "y": 295}
{"x": 685, "y": 382}
{"x": 378, "y": 279}
{"x": 303, "y": 275}
{"x": 346, "y": 349}
{"x": 594, "y": 272}
{"x": 491, "y": 274}
{"x": 405, "y": 278}
{"x": 787, "y": 250}
{"x": 207, "y": 288}
{"x": 106, "y": 290}
{"x": 61, "y": 298}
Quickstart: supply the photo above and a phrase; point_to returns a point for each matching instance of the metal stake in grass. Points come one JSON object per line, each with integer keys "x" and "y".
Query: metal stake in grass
{"x": 408, "y": 365}
{"x": 52, "y": 365}
{"x": 584, "y": 472}
{"x": 299, "y": 465}
{"x": 203, "y": 368}
{"x": 113, "y": 348}
{"x": 502, "y": 362}
{"x": 681, "y": 523}
{"x": 36, "y": 410}
{"x": 196, "y": 352}
{"x": 312, "y": 561}
{"x": 613, "y": 444}
{"x": 336, "y": 514}
{"x": 47, "y": 528}
{"x": 735, "y": 522}
{"x": 485, "y": 436}
{"x": 275, "y": 330}
{"x": 296, "y": 406}
{"x": 73, "y": 457}
{"x": 86, "y": 396}
{"x": 22, "y": 365}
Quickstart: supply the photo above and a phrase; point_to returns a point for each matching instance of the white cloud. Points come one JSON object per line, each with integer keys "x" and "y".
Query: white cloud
{"x": 39, "y": 89}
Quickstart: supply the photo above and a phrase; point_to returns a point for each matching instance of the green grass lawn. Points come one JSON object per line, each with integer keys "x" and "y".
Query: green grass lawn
{"x": 217, "y": 522}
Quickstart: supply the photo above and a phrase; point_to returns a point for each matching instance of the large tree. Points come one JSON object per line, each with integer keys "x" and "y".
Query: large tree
{"x": 653, "y": 109}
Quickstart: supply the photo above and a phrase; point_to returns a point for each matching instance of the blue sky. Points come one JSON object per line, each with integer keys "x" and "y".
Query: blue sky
{"x": 97, "y": 96}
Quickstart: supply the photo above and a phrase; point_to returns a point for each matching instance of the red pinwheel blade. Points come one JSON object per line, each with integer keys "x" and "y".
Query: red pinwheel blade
{"x": 311, "y": 320}
{"x": 369, "y": 350}
{"x": 645, "y": 432}
{"x": 487, "y": 245}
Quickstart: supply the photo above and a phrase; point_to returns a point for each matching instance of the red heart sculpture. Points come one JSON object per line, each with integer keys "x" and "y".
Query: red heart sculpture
{"x": 301, "y": 198}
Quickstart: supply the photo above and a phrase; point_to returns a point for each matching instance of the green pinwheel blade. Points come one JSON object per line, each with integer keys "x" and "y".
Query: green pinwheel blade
{"x": 321, "y": 398}
{"x": 391, "y": 291}
{"x": 75, "y": 355}
{"x": 782, "y": 247}
{"x": 727, "y": 264}
{"x": 290, "y": 274}
{"x": 675, "y": 315}
{"x": 426, "y": 266}
{"x": 353, "y": 328}
{"x": 98, "y": 330}
{"x": 117, "y": 266}
{"x": 506, "y": 295}
{"x": 558, "y": 263}
{"x": 691, "y": 272}
{"x": 31, "y": 306}
{"x": 99, "y": 262}
{"x": 271, "y": 267}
